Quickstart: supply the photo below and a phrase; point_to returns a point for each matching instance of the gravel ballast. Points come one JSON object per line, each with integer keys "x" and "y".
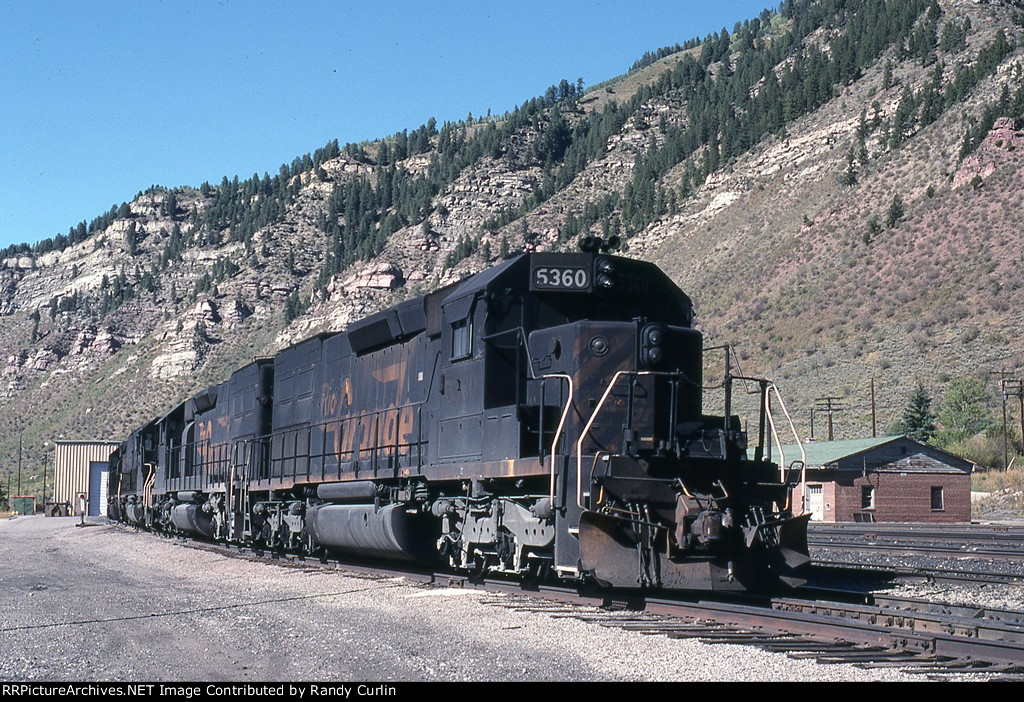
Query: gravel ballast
{"x": 107, "y": 603}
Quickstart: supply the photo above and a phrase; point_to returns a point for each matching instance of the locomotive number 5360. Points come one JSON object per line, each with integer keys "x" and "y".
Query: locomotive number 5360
{"x": 558, "y": 278}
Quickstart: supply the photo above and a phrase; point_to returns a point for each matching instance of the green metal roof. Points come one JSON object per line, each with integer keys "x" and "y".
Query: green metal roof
{"x": 820, "y": 453}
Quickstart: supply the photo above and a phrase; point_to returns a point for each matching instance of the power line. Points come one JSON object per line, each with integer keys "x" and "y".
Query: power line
{"x": 829, "y": 404}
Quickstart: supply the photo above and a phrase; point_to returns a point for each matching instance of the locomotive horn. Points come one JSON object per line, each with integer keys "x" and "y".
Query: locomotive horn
{"x": 589, "y": 244}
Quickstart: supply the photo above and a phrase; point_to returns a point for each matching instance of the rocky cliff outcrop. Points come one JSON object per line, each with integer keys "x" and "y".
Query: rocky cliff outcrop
{"x": 995, "y": 150}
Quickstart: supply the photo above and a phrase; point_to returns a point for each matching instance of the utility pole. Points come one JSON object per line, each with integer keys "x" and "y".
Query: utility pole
{"x": 1014, "y": 387}
{"x": 829, "y": 404}
{"x": 873, "y": 432}
{"x": 19, "y": 464}
{"x": 1002, "y": 373}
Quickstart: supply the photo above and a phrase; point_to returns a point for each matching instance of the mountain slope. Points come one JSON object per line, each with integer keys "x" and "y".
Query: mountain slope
{"x": 743, "y": 166}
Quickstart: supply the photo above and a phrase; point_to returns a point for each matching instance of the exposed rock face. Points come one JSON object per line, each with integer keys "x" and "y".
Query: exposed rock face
{"x": 8, "y": 289}
{"x": 184, "y": 351}
{"x": 206, "y": 310}
{"x": 484, "y": 191}
{"x": 380, "y": 276}
{"x": 235, "y": 312}
{"x": 428, "y": 241}
{"x": 97, "y": 343}
{"x": 188, "y": 340}
{"x": 1000, "y": 140}
{"x": 14, "y": 363}
{"x": 105, "y": 343}
{"x": 42, "y": 360}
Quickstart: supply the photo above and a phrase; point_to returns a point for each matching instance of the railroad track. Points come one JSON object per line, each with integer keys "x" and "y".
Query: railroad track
{"x": 914, "y": 573}
{"x": 929, "y": 638}
{"x": 975, "y": 541}
{"x": 973, "y": 532}
{"x": 974, "y": 551}
{"x": 949, "y": 555}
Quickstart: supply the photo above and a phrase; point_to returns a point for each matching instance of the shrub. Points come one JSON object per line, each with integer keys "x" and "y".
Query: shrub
{"x": 985, "y": 449}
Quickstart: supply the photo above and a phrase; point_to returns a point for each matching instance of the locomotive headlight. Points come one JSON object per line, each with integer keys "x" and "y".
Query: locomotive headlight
{"x": 652, "y": 345}
{"x": 605, "y": 274}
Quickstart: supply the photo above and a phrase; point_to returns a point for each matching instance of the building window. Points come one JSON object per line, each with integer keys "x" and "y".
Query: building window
{"x": 462, "y": 338}
{"x": 937, "y": 497}
{"x": 867, "y": 497}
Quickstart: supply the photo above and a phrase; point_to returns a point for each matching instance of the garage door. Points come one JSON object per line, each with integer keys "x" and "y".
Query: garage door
{"x": 98, "y": 489}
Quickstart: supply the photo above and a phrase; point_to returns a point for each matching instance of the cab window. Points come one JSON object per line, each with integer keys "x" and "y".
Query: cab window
{"x": 462, "y": 338}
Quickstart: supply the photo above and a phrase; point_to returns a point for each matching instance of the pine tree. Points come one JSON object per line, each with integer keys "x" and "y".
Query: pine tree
{"x": 873, "y": 230}
{"x": 131, "y": 238}
{"x": 849, "y": 176}
{"x": 896, "y": 211}
{"x": 903, "y": 120}
{"x": 918, "y": 422}
{"x": 170, "y": 207}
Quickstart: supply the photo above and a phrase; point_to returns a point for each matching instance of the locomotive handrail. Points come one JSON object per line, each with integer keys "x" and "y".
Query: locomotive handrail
{"x": 147, "y": 485}
{"x": 205, "y": 469}
{"x": 784, "y": 473}
{"x": 374, "y": 417}
{"x": 593, "y": 417}
{"x": 561, "y": 426}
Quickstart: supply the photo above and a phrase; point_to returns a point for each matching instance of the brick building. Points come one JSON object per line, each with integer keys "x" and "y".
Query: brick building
{"x": 888, "y": 479}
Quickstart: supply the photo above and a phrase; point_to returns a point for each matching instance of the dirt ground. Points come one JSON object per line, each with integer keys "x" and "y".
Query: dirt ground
{"x": 107, "y": 603}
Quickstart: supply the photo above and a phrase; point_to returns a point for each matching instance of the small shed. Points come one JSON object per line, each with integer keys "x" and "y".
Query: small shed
{"x": 885, "y": 479}
{"x": 23, "y": 504}
{"x": 80, "y": 468}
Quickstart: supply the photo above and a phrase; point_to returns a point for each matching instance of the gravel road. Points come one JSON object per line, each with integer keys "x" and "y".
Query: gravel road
{"x": 107, "y": 603}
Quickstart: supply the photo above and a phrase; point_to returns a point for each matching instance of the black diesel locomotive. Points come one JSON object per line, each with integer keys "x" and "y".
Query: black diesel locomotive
{"x": 542, "y": 418}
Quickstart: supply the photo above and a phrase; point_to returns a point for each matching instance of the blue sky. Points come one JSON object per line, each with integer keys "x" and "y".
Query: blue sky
{"x": 99, "y": 100}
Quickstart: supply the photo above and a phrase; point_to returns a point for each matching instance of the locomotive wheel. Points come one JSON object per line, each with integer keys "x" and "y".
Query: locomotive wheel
{"x": 478, "y": 570}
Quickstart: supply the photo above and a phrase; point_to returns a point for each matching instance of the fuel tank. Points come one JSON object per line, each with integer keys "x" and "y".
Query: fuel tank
{"x": 389, "y": 532}
{"x": 192, "y": 519}
{"x": 135, "y": 513}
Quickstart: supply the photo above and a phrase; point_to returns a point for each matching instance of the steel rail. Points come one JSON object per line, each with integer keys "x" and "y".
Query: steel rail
{"x": 921, "y": 549}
